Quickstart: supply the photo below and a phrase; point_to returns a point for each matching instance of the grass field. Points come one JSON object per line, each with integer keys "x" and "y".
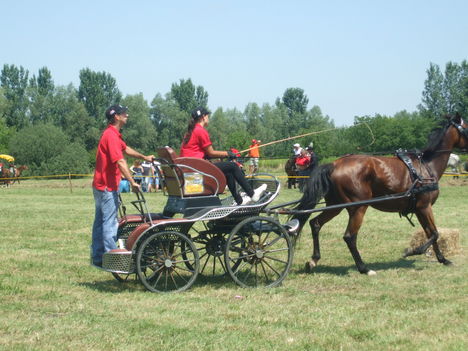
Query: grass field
{"x": 51, "y": 299}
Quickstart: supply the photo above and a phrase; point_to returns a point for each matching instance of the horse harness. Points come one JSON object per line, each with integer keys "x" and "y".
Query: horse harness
{"x": 463, "y": 131}
{"x": 419, "y": 184}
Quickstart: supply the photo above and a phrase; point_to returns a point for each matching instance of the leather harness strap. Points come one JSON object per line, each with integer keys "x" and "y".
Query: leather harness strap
{"x": 420, "y": 185}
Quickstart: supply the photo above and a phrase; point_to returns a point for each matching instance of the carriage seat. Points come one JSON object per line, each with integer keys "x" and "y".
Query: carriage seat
{"x": 190, "y": 176}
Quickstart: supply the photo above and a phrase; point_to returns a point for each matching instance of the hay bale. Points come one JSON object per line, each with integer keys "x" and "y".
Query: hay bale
{"x": 449, "y": 241}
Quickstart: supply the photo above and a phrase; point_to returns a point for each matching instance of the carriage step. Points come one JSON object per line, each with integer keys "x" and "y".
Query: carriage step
{"x": 118, "y": 261}
{"x": 292, "y": 226}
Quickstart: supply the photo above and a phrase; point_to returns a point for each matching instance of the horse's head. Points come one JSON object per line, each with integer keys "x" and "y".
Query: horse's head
{"x": 462, "y": 127}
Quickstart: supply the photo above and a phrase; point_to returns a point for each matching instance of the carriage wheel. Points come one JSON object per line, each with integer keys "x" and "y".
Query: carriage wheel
{"x": 163, "y": 262}
{"x": 211, "y": 248}
{"x": 259, "y": 252}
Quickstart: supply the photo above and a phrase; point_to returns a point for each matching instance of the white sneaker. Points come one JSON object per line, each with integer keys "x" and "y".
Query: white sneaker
{"x": 245, "y": 199}
{"x": 258, "y": 192}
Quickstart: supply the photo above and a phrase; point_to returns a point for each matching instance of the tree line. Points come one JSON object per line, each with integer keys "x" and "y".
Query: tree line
{"x": 55, "y": 129}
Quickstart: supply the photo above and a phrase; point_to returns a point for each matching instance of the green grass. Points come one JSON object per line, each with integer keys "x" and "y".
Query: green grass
{"x": 51, "y": 299}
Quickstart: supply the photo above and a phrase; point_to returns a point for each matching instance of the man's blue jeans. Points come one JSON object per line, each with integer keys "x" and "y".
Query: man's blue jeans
{"x": 105, "y": 224}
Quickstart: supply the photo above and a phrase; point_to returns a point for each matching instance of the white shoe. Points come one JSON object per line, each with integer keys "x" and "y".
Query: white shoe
{"x": 258, "y": 192}
{"x": 245, "y": 199}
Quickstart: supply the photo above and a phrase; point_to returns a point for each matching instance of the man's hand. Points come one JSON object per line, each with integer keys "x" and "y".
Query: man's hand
{"x": 149, "y": 158}
{"x": 135, "y": 187}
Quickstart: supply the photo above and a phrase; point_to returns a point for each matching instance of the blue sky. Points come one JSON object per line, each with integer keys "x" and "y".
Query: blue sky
{"x": 352, "y": 58}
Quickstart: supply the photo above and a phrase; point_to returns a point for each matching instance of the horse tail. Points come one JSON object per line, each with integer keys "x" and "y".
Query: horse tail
{"x": 317, "y": 186}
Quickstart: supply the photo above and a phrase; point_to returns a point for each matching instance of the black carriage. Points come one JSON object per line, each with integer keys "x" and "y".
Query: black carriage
{"x": 201, "y": 232}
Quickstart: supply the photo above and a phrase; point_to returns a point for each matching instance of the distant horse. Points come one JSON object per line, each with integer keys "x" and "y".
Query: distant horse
{"x": 361, "y": 177}
{"x": 454, "y": 163}
{"x": 5, "y": 176}
{"x": 18, "y": 172}
{"x": 291, "y": 171}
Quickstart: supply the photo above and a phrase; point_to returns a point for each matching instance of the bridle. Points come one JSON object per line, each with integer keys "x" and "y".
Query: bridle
{"x": 462, "y": 130}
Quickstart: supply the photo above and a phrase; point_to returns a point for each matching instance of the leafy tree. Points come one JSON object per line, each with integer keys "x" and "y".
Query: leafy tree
{"x": 14, "y": 82}
{"x": 97, "y": 91}
{"x": 5, "y": 136}
{"x": 295, "y": 102}
{"x": 73, "y": 159}
{"x": 445, "y": 93}
{"x": 404, "y": 130}
{"x": 3, "y": 105}
{"x": 273, "y": 119}
{"x": 228, "y": 129}
{"x": 68, "y": 113}
{"x": 37, "y": 146}
{"x": 433, "y": 104}
{"x": 40, "y": 92}
{"x": 464, "y": 94}
{"x": 188, "y": 96}
{"x": 169, "y": 121}
{"x": 253, "y": 115}
{"x": 139, "y": 132}
{"x": 43, "y": 82}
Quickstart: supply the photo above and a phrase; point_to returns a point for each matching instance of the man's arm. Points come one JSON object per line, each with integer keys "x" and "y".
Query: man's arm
{"x": 122, "y": 164}
{"x": 135, "y": 154}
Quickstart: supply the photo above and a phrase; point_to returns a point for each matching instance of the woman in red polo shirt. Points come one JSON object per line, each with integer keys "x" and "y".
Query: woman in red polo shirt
{"x": 197, "y": 143}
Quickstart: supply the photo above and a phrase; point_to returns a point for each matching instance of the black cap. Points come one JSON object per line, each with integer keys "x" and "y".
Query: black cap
{"x": 115, "y": 110}
{"x": 199, "y": 112}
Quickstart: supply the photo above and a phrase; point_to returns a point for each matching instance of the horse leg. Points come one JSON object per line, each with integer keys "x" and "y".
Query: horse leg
{"x": 316, "y": 224}
{"x": 426, "y": 219}
{"x": 350, "y": 237}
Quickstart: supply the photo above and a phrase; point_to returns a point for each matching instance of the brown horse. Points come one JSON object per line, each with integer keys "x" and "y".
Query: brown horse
{"x": 18, "y": 172}
{"x": 290, "y": 169}
{"x": 5, "y": 176}
{"x": 359, "y": 178}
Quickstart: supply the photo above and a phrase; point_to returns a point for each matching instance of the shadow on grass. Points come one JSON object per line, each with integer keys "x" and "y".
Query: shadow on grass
{"x": 112, "y": 285}
{"x": 133, "y": 284}
{"x": 402, "y": 263}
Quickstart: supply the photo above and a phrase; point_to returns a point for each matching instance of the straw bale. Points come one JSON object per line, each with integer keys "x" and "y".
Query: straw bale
{"x": 449, "y": 241}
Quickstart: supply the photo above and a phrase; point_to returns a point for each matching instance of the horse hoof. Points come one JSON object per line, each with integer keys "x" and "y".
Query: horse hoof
{"x": 447, "y": 263}
{"x": 407, "y": 252}
{"x": 371, "y": 272}
{"x": 309, "y": 266}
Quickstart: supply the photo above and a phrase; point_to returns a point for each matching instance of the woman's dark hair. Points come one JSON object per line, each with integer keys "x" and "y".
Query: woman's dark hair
{"x": 197, "y": 115}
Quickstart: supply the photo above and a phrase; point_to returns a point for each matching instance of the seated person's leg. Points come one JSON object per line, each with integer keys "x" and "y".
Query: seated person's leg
{"x": 233, "y": 173}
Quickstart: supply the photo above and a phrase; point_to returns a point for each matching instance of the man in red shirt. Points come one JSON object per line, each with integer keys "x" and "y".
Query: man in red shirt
{"x": 110, "y": 166}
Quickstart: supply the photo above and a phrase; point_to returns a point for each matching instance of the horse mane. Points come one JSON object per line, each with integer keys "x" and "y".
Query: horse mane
{"x": 436, "y": 137}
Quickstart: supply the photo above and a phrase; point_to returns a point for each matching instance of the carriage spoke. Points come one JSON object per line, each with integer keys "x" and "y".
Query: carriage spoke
{"x": 214, "y": 265}
{"x": 173, "y": 280}
{"x": 274, "y": 241}
{"x": 275, "y": 259}
{"x": 264, "y": 271}
{"x": 184, "y": 269}
{"x": 173, "y": 260}
{"x": 277, "y": 250}
{"x": 222, "y": 264}
{"x": 180, "y": 276}
{"x": 265, "y": 252}
{"x": 157, "y": 280}
{"x": 271, "y": 267}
